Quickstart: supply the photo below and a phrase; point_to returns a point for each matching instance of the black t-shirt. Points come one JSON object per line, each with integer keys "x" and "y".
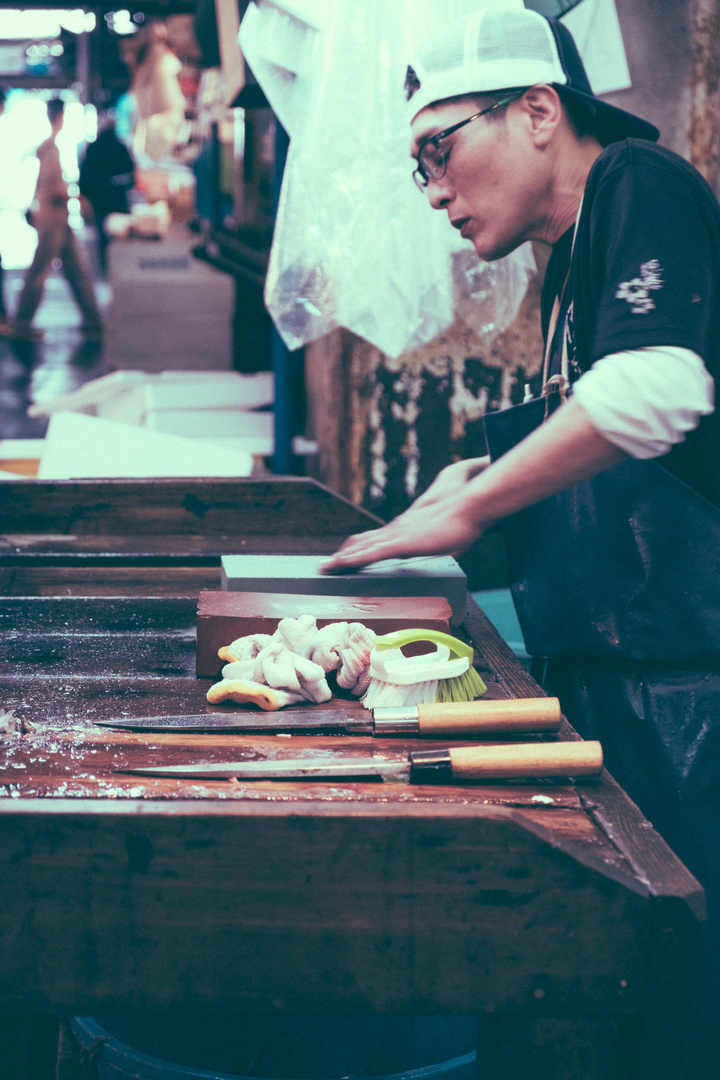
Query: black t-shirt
{"x": 645, "y": 271}
{"x": 107, "y": 174}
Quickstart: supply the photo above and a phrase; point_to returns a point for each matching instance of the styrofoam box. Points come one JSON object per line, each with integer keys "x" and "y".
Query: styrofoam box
{"x": 88, "y": 446}
{"x": 199, "y": 423}
{"x": 211, "y": 407}
{"x": 215, "y": 406}
{"x": 213, "y": 423}
{"x": 144, "y": 334}
{"x": 189, "y": 390}
{"x": 166, "y": 278}
{"x": 154, "y": 365}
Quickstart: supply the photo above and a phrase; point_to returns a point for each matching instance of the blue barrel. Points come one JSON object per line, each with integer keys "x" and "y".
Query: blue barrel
{"x": 279, "y": 1048}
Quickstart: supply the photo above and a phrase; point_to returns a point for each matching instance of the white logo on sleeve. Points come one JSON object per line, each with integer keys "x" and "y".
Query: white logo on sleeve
{"x": 637, "y": 292}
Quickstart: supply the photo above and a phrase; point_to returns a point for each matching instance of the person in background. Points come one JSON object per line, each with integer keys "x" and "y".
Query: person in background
{"x": 607, "y": 484}
{"x": 3, "y": 312}
{"x": 56, "y": 239}
{"x": 158, "y": 93}
{"x": 107, "y": 175}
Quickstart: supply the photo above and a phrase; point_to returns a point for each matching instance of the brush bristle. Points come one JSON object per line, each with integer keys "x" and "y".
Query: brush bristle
{"x": 380, "y": 694}
{"x": 464, "y": 687}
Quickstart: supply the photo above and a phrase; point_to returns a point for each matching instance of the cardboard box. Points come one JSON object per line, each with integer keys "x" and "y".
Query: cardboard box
{"x": 225, "y": 616}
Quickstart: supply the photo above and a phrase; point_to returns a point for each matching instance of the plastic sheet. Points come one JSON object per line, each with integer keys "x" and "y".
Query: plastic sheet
{"x": 355, "y": 244}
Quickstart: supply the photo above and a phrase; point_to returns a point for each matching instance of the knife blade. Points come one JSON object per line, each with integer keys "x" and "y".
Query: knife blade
{"x": 495, "y": 717}
{"x": 510, "y": 761}
{"x": 288, "y": 769}
{"x": 320, "y": 720}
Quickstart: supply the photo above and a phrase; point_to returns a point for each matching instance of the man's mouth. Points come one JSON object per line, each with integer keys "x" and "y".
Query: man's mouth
{"x": 461, "y": 224}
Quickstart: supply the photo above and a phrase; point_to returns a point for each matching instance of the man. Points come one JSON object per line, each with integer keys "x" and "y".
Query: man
{"x": 608, "y": 484}
{"x": 55, "y": 240}
{"x": 107, "y": 174}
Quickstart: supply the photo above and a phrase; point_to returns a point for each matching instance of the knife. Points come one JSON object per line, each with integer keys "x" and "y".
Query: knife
{"x": 511, "y": 761}
{"x": 441, "y": 718}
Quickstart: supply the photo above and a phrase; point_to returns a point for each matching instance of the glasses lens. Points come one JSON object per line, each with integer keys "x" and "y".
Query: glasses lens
{"x": 420, "y": 180}
{"x": 432, "y": 160}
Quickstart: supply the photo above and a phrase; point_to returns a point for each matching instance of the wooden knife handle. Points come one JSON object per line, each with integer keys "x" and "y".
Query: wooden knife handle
{"x": 521, "y": 760}
{"x": 512, "y": 715}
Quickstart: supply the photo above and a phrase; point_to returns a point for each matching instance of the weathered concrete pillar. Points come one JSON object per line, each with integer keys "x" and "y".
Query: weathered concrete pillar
{"x": 704, "y": 100}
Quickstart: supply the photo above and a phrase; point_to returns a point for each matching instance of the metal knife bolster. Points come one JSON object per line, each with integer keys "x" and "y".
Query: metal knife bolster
{"x": 396, "y": 720}
{"x": 431, "y": 767}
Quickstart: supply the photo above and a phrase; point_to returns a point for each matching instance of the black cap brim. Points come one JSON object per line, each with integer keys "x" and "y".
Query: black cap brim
{"x": 610, "y": 123}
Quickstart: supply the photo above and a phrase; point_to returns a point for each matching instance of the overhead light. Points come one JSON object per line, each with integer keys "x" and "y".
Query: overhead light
{"x": 120, "y": 22}
{"x": 77, "y": 21}
{"x": 19, "y": 24}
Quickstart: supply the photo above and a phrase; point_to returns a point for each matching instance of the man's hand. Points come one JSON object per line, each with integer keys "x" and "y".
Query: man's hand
{"x": 563, "y": 451}
{"x": 451, "y": 481}
{"x": 442, "y": 527}
{"x": 435, "y": 524}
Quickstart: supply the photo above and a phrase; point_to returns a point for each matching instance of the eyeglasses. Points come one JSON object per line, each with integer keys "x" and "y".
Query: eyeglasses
{"x": 432, "y": 160}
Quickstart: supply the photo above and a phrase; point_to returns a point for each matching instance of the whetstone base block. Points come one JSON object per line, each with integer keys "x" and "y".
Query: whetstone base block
{"x": 225, "y": 616}
{"x": 437, "y": 576}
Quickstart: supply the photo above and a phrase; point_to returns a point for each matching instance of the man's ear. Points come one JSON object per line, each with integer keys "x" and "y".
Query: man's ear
{"x": 544, "y": 112}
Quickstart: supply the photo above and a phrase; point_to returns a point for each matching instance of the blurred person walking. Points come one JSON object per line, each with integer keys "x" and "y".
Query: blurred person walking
{"x": 56, "y": 240}
{"x": 107, "y": 174}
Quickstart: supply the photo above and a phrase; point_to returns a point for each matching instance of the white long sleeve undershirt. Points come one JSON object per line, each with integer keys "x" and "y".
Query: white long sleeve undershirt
{"x": 646, "y": 400}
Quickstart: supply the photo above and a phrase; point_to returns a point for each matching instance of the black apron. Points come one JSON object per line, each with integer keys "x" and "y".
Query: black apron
{"x": 616, "y": 582}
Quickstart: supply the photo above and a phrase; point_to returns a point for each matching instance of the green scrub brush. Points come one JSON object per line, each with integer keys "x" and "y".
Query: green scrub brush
{"x": 443, "y": 675}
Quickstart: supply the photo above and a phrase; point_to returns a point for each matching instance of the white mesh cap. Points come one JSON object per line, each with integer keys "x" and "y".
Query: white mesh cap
{"x": 492, "y": 49}
{"x": 497, "y": 49}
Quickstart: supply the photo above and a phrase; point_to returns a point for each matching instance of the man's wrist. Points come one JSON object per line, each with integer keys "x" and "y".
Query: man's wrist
{"x": 476, "y": 466}
{"x": 472, "y": 505}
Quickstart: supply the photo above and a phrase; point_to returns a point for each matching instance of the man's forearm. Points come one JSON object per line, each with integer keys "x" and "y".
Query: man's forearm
{"x": 565, "y": 450}
{"x": 557, "y": 455}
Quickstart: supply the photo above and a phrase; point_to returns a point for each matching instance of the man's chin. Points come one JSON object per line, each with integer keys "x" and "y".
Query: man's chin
{"x": 489, "y": 252}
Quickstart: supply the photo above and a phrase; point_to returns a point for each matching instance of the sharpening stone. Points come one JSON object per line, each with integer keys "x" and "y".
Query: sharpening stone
{"x": 225, "y": 616}
{"x": 439, "y": 575}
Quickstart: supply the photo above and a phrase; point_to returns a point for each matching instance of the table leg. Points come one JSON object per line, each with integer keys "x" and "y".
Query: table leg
{"x": 28, "y": 1047}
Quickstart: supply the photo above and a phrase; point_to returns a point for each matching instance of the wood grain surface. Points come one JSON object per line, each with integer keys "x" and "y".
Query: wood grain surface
{"x": 542, "y": 902}
{"x": 278, "y": 506}
{"x": 78, "y": 579}
{"x": 430, "y": 910}
{"x": 66, "y": 662}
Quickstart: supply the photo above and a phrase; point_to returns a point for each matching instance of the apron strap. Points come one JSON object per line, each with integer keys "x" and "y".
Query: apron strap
{"x": 558, "y": 383}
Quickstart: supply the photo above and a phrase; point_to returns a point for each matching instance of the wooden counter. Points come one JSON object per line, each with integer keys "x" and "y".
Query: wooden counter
{"x": 551, "y": 910}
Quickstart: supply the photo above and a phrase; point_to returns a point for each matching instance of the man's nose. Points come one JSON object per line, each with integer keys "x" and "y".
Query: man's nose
{"x": 438, "y": 193}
